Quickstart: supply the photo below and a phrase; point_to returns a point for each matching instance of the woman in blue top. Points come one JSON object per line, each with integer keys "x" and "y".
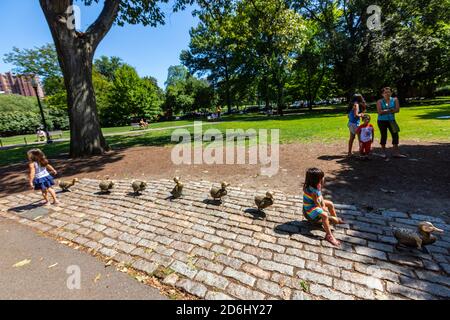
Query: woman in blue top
{"x": 387, "y": 108}
{"x": 355, "y": 113}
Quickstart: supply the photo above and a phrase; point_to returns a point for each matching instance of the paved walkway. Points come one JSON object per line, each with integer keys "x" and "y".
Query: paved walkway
{"x": 48, "y": 266}
{"x": 228, "y": 252}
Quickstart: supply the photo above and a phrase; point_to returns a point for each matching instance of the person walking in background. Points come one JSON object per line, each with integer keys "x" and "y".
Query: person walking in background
{"x": 356, "y": 111}
{"x": 387, "y": 108}
{"x": 219, "y": 112}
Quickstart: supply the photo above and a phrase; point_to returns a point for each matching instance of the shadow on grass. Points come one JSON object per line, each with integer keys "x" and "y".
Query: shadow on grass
{"x": 436, "y": 112}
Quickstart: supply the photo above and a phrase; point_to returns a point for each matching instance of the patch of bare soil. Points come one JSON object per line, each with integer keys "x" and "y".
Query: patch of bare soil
{"x": 420, "y": 183}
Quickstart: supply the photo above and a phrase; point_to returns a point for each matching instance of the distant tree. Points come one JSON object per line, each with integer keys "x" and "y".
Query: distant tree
{"x": 176, "y": 74}
{"x": 185, "y": 93}
{"x": 129, "y": 97}
{"x": 107, "y": 66}
{"x": 211, "y": 47}
{"x": 270, "y": 35}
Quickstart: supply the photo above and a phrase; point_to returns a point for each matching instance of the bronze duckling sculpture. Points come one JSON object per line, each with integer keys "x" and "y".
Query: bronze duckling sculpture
{"x": 177, "y": 191}
{"x": 218, "y": 193}
{"x": 416, "y": 238}
{"x": 263, "y": 202}
{"x": 106, "y": 186}
{"x": 66, "y": 185}
{"x": 138, "y": 186}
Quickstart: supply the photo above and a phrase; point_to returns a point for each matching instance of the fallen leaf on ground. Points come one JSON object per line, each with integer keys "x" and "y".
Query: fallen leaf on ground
{"x": 22, "y": 263}
{"x": 141, "y": 278}
{"x": 97, "y": 278}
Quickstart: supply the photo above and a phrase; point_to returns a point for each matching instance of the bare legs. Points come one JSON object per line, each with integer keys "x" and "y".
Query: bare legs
{"x": 329, "y": 235}
{"x": 329, "y": 206}
{"x": 350, "y": 144}
{"x": 52, "y": 193}
{"x": 396, "y": 152}
{"x": 327, "y": 220}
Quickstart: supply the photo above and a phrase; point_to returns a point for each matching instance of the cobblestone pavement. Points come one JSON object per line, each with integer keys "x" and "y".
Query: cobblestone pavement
{"x": 228, "y": 251}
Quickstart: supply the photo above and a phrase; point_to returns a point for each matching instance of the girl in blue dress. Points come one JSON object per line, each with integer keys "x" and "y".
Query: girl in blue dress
{"x": 40, "y": 178}
{"x": 355, "y": 113}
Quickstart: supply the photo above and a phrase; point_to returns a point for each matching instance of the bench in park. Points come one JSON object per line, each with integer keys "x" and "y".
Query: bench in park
{"x": 136, "y": 126}
{"x": 55, "y": 134}
{"x": 213, "y": 117}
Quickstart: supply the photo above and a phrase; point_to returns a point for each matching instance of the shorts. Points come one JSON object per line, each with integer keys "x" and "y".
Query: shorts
{"x": 353, "y": 127}
{"x": 314, "y": 214}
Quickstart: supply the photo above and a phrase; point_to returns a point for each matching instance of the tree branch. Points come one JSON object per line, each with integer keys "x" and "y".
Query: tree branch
{"x": 97, "y": 30}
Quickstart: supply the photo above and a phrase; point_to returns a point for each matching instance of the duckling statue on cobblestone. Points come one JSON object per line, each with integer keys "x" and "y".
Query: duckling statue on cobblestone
{"x": 106, "y": 185}
{"x": 416, "y": 238}
{"x": 218, "y": 193}
{"x": 139, "y": 186}
{"x": 263, "y": 202}
{"x": 178, "y": 189}
{"x": 66, "y": 185}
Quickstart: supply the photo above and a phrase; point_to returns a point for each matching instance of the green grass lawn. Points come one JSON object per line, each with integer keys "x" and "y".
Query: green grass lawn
{"x": 418, "y": 122}
{"x": 30, "y": 138}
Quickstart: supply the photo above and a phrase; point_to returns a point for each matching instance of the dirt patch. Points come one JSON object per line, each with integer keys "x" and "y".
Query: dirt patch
{"x": 420, "y": 183}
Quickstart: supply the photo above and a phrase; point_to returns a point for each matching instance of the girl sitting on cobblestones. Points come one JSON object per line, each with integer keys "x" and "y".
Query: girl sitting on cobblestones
{"x": 39, "y": 177}
{"x": 315, "y": 208}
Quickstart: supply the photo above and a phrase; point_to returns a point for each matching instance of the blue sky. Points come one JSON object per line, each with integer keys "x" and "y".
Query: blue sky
{"x": 150, "y": 50}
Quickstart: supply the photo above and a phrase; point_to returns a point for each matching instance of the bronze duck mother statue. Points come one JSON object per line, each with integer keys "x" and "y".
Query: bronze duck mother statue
{"x": 416, "y": 238}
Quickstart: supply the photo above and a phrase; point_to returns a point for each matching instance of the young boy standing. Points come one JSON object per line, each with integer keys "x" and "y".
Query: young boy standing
{"x": 366, "y": 135}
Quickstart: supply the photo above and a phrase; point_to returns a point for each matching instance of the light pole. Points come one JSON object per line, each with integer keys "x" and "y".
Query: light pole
{"x": 35, "y": 86}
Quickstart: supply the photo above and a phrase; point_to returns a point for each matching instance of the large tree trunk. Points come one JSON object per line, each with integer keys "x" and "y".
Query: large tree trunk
{"x": 280, "y": 97}
{"x": 75, "y": 54}
{"x": 86, "y": 135}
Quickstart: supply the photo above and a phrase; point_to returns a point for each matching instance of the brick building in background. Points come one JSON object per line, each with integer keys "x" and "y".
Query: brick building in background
{"x": 21, "y": 85}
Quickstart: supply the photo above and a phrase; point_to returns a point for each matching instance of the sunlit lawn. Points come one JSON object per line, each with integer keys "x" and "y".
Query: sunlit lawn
{"x": 30, "y": 138}
{"x": 418, "y": 122}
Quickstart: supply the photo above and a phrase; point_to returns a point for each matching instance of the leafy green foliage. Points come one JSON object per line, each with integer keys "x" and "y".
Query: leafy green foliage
{"x": 20, "y": 115}
{"x": 107, "y": 66}
{"x": 185, "y": 93}
{"x": 130, "y": 96}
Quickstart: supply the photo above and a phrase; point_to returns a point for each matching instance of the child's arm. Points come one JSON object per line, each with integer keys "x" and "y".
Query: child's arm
{"x": 52, "y": 170}
{"x": 380, "y": 109}
{"x": 316, "y": 199}
{"x": 358, "y": 134}
{"x": 355, "y": 111}
{"x": 31, "y": 175}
